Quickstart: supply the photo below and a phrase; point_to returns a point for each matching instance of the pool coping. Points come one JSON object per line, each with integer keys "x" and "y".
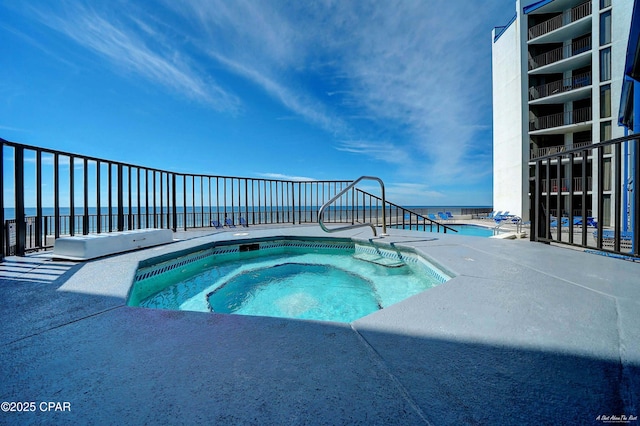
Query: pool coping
{"x": 462, "y": 351}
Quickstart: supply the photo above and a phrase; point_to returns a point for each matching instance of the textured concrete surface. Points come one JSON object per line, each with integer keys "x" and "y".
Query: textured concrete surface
{"x": 524, "y": 334}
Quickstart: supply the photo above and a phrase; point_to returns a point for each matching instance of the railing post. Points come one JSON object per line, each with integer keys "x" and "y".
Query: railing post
{"x": 617, "y": 215}
{"x": 533, "y": 207}
{"x": 120, "y": 199}
{"x": 174, "y": 199}
{"x": 184, "y": 201}
{"x": 98, "y": 204}
{"x": 585, "y": 188}
{"x": 85, "y": 215}
{"x": 246, "y": 200}
{"x": 599, "y": 158}
{"x": 110, "y": 195}
{"x": 21, "y": 229}
{"x": 41, "y": 238}
{"x": 130, "y": 225}
{"x": 635, "y": 211}
{"x": 72, "y": 206}
{"x": 293, "y": 203}
{"x": 56, "y": 196}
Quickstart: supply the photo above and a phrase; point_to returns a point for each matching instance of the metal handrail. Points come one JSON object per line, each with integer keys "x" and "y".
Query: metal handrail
{"x": 359, "y": 225}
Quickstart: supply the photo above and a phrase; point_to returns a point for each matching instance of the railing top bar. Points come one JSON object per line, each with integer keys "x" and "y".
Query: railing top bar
{"x": 81, "y": 156}
{"x": 410, "y": 211}
{"x": 588, "y": 147}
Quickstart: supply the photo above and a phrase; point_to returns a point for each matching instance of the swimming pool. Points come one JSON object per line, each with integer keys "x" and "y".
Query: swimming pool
{"x": 330, "y": 280}
{"x": 473, "y": 230}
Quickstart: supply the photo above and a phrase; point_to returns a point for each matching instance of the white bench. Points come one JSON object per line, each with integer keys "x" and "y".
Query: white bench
{"x": 85, "y": 247}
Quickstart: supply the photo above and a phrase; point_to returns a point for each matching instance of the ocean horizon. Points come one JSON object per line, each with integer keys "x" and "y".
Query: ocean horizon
{"x": 9, "y": 212}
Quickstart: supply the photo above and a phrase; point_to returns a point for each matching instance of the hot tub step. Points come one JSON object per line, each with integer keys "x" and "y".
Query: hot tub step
{"x": 379, "y": 260}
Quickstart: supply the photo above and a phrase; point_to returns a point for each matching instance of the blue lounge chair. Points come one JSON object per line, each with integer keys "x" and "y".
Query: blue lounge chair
{"x": 216, "y": 224}
{"x": 432, "y": 217}
{"x": 489, "y": 216}
{"x": 229, "y": 223}
{"x": 449, "y": 215}
{"x": 577, "y": 221}
{"x": 442, "y": 216}
{"x": 243, "y": 222}
{"x": 564, "y": 221}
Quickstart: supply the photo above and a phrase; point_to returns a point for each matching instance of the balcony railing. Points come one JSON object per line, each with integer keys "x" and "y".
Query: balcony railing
{"x": 559, "y": 21}
{"x": 560, "y": 86}
{"x": 562, "y": 185}
{"x": 580, "y": 11}
{"x": 564, "y": 52}
{"x": 580, "y": 115}
{"x": 545, "y": 27}
{"x": 540, "y": 152}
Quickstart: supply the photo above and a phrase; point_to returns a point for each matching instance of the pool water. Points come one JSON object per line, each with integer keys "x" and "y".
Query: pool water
{"x": 296, "y": 290}
{"x": 473, "y": 230}
{"x": 332, "y": 283}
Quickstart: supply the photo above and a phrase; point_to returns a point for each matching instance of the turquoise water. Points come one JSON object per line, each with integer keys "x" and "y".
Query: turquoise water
{"x": 299, "y": 283}
{"x": 473, "y": 230}
{"x": 296, "y": 290}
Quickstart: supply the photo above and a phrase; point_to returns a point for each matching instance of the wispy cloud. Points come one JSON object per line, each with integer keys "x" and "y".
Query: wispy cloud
{"x": 397, "y": 66}
{"x": 263, "y": 43}
{"x": 280, "y": 176}
{"x": 392, "y": 81}
{"x": 296, "y": 101}
{"x": 13, "y": 129}
{"x": 380, "y": 151}
{"x": 129, "y": 45}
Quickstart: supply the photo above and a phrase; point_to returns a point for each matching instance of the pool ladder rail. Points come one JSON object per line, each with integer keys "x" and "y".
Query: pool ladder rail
{"x": 357, "y": 225}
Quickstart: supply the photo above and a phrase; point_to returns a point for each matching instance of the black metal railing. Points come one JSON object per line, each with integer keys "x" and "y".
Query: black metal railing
{"x": 580, "y": 115}
{"x": 605, "y": 217}
{"x": 560, "y": 86}
{"x": 50, "y": 193}
{"x": 560, "y": 53}
{"x": 399, "y": 217}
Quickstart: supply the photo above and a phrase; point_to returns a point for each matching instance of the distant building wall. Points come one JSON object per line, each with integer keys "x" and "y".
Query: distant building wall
{"x": 508, "y": 153}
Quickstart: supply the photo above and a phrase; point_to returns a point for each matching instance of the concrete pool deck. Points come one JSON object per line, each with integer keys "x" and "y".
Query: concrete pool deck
{"x": 525, "y": 333}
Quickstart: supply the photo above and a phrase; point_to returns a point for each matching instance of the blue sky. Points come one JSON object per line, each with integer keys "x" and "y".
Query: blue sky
{"x": 293, "y": 90}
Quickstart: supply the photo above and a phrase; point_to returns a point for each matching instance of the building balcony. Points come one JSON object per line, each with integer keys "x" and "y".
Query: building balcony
{"x": 541, "y": 152}
{"x": 581, "y": 115}
{"x": 560, "y": 21}
{"x": 562, "y": 185}
{"x": 561, "y": 86}
{"x": 561, "y": 53}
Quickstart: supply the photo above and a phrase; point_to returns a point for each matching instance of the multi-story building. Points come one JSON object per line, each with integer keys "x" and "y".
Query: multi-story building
{"x": 557, "y": 75}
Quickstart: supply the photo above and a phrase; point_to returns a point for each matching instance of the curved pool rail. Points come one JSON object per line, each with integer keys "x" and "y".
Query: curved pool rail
{"x": 357, "y": 225}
